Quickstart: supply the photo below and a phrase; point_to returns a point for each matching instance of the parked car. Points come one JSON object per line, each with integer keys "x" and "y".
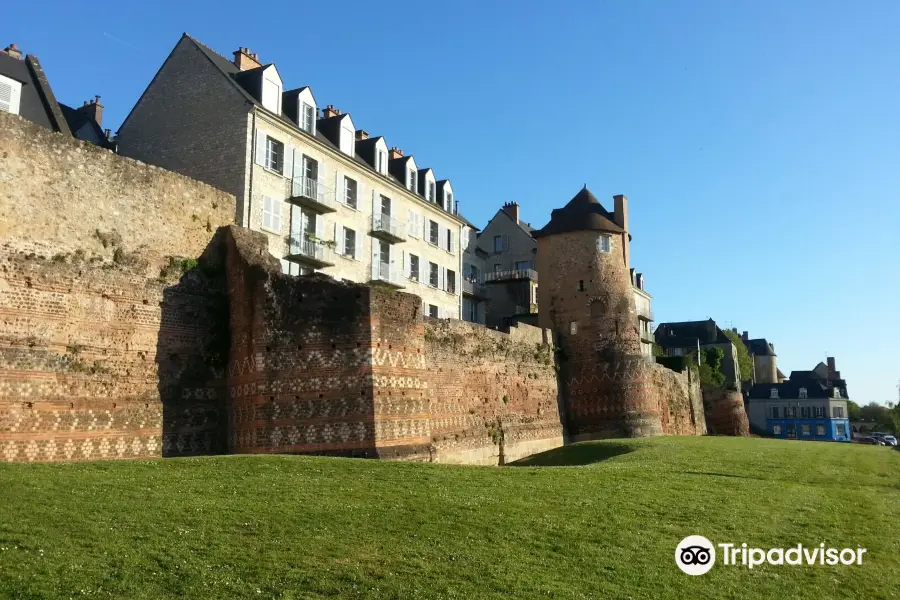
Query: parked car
{"x": 889, "y": 440}
{"x": 871, "y": 441}
{"x": 878, "y": 435}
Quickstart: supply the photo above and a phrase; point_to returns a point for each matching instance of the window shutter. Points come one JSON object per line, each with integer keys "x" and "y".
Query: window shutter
{"x": 266, "y": 213}
{"x": 374, "y": 200}
{"x": 260, "y": 146}
{"x": 296, "y": 226}
{"x": 505, "y": 242}
{"x": 442, "y": 277}
{"x": 320, "y": 227}
{"x": 276, "y": 215}
{"x": 412, "y": 223}
{"x": 339, "y": 238}
{"x": 452, "y": 247}
{"x": 375, "y": 260}
{"x": 288, "y": 161}
{"x": 339, "y": 193}
{"x": 407, "y": 264}
{"x": 10, "y": 91}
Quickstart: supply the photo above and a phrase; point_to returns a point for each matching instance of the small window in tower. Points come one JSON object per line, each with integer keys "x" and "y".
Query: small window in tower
{"x": 581, "y": 285}
{"x": 573, "y": 328}
{"x": 603, "y": 243}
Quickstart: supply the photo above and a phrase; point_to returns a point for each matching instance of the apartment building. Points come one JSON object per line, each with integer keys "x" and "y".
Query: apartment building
{"x": 475, "y": 299}
{"x": 642, "y": 307}
{"x": 330, "y": 197}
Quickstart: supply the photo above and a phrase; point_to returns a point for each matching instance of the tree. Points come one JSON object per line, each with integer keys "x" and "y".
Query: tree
{"x": 710, "y": 367}
{"x": 884, "y": 417}
{"x": 745, "y": 362}
{"x": 853, "y": 411}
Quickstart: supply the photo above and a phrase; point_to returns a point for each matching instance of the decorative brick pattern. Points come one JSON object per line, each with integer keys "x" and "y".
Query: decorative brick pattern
{"x": 726, "y": 412}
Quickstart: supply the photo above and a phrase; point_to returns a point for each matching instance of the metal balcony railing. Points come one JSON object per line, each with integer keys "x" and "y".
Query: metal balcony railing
{"x": 384, "y": 272}
{"x": 304, "y": 188}
{"x": 386, "y": 224}
{"x": 511, "y": 274}
{"x": 473, "y": 287}
{"x": 310, "y": 249}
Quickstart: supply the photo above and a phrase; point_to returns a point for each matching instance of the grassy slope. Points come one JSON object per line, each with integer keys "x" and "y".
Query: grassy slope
{"x": 297, "y": 527}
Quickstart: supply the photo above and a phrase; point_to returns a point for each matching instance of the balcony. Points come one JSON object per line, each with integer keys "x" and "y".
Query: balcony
{"x": 310, "y": 253}
{"x": 511, "y": 275}
{"x": 473, "y": 288}
{"x": 383, "y": 273}
{"x": 647, "y": 335}
{"x": 388, "y": 228}
{"x": 644, "y": 313}
{"x": 311, "y": 194}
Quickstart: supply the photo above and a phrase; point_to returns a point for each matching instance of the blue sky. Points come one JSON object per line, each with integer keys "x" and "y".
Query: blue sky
{"x": 758, "y": 141}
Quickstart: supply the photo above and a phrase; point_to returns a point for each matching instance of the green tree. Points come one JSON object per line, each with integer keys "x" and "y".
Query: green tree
{"x": 710, "y": 367}
{"x": 745, "y": 362}
{"x": 853, "y": 411}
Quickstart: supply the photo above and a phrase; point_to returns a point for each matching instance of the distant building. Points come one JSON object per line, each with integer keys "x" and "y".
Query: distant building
{"x": 474, "y": 303}
{"x": 765, "y": 361}
{"x": 642, "y": 302}
{"x": 84, "y": 123}
{"x": 810, "y": 405}
{"x": 680, "y": 339}
{"x": 25, "y": 91}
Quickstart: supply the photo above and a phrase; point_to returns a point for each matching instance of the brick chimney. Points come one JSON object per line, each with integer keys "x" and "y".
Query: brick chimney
{"x": 396, "y": 152}
{"x": 831, "y": 367}
{"x": 330, "y": 111}
{"x": 512, "y": 209}
{"x": 362, "y": 134}
{"x": 620, "y": 216}
{"x": 243, "y": 60}
{"x": 93, "y": 109}
{"x": 13, "y": 51}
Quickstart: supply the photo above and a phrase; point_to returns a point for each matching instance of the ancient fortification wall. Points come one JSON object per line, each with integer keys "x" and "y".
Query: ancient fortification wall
{"x": 726, "y": 412}
{"x": 106, "y": 350}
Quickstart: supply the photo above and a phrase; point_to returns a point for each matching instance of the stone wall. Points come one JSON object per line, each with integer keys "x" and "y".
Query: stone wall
{"x": 60, "y": 195}
{"x": 109, "y": 347}
{"x": 493, "y": 396}
{"x": 725, "y": 412}
{"x": 680, "y": 401}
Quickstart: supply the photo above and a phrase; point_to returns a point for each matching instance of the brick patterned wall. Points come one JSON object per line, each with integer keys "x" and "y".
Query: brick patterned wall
{"x": 493, "y": 396}
{"x": 680, "y": 401}
{"x": 98, "y": 361}
{"x": 726, "y": 414}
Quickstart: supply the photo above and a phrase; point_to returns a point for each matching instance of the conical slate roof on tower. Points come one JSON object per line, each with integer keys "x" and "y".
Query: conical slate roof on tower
{"x": 583, "y": 213}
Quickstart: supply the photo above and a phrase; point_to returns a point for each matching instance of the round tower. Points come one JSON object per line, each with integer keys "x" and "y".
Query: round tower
{"x": 585, "y": 296}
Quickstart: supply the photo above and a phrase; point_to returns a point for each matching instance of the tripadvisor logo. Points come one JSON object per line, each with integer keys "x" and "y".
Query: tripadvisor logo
{"x": 696, "y": 555}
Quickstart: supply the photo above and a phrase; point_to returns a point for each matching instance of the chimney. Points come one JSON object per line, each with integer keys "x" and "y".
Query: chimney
{"x": 93, "y": 109}
{"x": 620, "y": 216}
{"x": 330, "y": 111}
{"x": 512, "y": 209}
{"x": 362, "y": 134}
{"x": 13, "y": 51}
{"x": 745, "y": 336}
{"x": 243, "y": 60}
{"x": 831, "y": 367}
{"x": 772, "y": 347}
{"x": 396, "y": 152}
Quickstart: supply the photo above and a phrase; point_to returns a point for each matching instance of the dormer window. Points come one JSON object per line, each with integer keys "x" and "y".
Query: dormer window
{"x": 430, "y": 191}
{"x": 773, "y": 394}
{"x": 412, "y": 180}
{"x": 10, "y": 91}
{"x": 381, "y": 161}
{"x": 802, "y": 393}
{"x": 449, "y": 196}
{"x": 308, "y": 118}
{"x": 271, "y": 90}
{"x": 347, "y": 140}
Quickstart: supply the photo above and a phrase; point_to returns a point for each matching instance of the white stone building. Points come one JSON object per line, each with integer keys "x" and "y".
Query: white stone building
{"x": 330, "y": 197}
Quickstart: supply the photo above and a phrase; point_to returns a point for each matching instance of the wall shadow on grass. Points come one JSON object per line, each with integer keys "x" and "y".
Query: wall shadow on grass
{"x": 575, "y": 455}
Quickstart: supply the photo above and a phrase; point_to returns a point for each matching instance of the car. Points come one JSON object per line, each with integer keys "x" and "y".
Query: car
{"x": 889, "y": 440}
{"x": 870, "y": 441}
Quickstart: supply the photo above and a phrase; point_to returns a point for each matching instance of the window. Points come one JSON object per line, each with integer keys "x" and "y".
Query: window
{"x": 350, "y": 192}
{"x": 841, "y": 429}
{"x": 773, "y": 393}
{"x": 381, "y": 161}
{"x": 450, "y": 247}
{"x": 449, "y": 196}
{"x": 271, "y": 95}
{"x": 804, "y": 430}
{"x": 433, "y": 233}
{"x": 386, "y": 206}
{"x": 820, "y": 430}
{"x": 414, "y": 267}
{"x": 498, "y": 243}
{"x": 10, "y": 92}
{"x": 791, "y": 412}
{"x": 522, "y": 265}
{"x": 776, "y": 429}
{"x": 432, "y": 274}
{"x": 573, "y": 328}
{"x": 581, "y": 285}
{"x": 349, "y": 242}
{"x": 451, "y": 281}
{"x": 347, "y": 141}
{"x": 311, "y": 172}
{"x": 271, "y": 217}
{"x": 274, "y": 155}
{"x": 803, "y": 393}
{"x": 603, "y": 243}
{"x": 432, "y": 311}
{"x": 805, "y": 412}
{"x": 497, "y": 267}
{"x": 307, "y": 118}
{"x": 837, "y": 412}
{"x": 412, "y": 180}
{"x": 431, "y": 191}
{"x": 774, "y": 412}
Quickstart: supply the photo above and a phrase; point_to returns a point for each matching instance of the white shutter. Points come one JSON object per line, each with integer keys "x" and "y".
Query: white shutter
{"x": 276, "y": 214}
{"x": 10, "y": 91}
{"x": 451, "y": 242}
{"x": 375, "y": 260}
{"x": 339, "y": 238}
{"x": 296, "y": 226}
{"x": 288, "y": 161}
{"x": 442, "y": 277}
{"x": 260, "y": 146}
{"x": 442, "y": 238}
{"x": 339, "y": 193}
{"x": 411, "y": 219}
{"x": 266, "y": 213}
{"x": 407, "y": 264}
{"x": 320, "y": 227}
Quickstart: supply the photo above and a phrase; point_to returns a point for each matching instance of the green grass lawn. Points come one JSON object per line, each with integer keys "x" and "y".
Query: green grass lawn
{"x": 604, "y": 526}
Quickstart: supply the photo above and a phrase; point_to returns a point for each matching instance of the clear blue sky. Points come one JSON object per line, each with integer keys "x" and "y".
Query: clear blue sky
{"x": 758, "y": 141}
